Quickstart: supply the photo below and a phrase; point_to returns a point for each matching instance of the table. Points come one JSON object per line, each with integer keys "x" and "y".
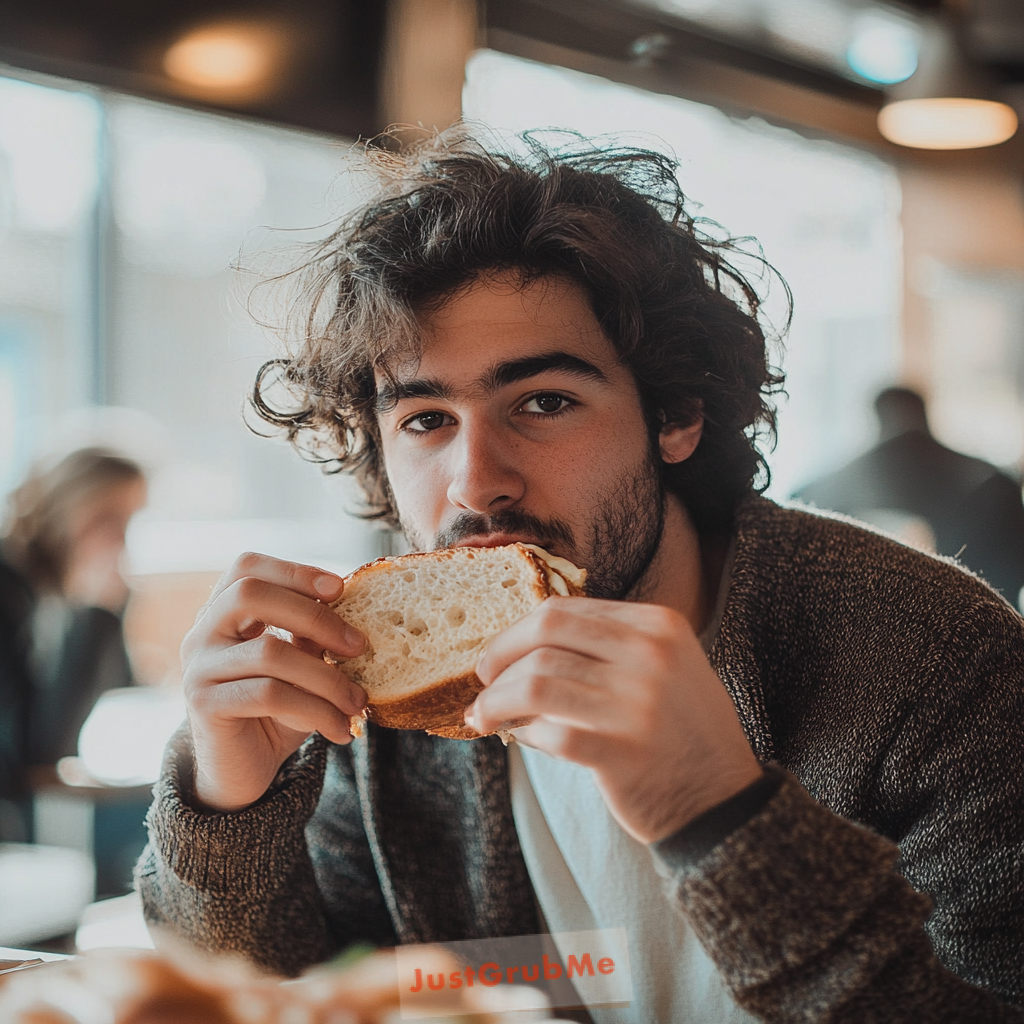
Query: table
{"x": 43, "y": 891}
{"x": 105, "y": 822}
{"x": 11, "y": 958}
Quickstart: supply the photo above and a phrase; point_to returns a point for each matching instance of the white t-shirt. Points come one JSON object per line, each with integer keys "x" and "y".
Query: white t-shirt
{"x": 589, "y": 874}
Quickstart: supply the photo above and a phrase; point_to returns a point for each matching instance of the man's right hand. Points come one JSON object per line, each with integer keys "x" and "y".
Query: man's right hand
{"x": 254, "y": 697}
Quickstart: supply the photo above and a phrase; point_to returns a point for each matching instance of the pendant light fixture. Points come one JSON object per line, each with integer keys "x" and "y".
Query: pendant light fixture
{"x": 229, "y": 60}
{"x": 947, "y": 103}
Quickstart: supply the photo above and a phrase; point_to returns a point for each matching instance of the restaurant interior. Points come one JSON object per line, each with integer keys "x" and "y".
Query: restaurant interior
{"x": 160, "y": 163}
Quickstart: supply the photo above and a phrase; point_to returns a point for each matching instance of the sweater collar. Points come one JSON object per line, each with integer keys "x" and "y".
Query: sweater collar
{"x": 733, "y": 652}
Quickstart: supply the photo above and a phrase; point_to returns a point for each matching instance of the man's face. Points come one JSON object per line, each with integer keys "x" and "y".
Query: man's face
{"x": 519, "y": 423}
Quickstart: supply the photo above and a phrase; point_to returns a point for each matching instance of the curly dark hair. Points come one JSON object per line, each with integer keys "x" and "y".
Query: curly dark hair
{"x": 683, "y": 319}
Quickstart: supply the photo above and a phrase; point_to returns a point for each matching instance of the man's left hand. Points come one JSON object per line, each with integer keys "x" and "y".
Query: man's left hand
{"x": 626, "y": 690}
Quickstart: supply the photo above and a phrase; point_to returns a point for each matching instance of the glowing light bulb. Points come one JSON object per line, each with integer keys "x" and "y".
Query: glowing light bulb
{"x": 947, "y": 123}
{"x": 883, "y": 51}
{"x": 232, "y": 57}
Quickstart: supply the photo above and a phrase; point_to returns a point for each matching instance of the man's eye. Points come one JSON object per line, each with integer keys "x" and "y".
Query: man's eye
{"x": 427, "y": 421}
{"x": 545, "y": 404}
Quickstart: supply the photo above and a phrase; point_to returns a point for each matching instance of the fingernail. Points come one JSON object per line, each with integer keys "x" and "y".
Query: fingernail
{"x": 355, "y": 639}
{"x": 470, "y": 716}
{"x": 358, "y": 697}
{"x": 326, "y": 585}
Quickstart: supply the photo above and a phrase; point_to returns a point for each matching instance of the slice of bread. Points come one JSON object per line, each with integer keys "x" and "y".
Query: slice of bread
{"x": 426, "y": 618}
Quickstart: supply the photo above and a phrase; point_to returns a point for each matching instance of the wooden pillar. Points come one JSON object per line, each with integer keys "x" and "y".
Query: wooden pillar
{"x": 427, "y": 46}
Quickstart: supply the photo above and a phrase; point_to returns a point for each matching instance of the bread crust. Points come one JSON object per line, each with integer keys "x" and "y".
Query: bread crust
{"x": 439, "y": 709}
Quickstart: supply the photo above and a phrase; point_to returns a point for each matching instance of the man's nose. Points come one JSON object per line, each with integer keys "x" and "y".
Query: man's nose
{"x": 484, "y": 473}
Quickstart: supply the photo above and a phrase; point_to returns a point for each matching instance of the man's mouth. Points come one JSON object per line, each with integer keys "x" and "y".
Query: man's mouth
{"x": 509, "y": 526}
{"x": 495, "y": 540}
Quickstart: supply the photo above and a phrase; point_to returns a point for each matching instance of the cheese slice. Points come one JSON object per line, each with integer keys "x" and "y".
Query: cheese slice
{"x": 560, "y": 570}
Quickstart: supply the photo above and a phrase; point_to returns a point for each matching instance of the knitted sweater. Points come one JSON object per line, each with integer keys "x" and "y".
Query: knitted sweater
{"x": 882, "y": 881}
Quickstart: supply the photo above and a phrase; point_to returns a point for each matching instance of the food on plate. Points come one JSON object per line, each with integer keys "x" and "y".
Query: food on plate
{"x": 116, "y": 988}
{"x": 427, "y": 618}
{"x": 145, "y": 987}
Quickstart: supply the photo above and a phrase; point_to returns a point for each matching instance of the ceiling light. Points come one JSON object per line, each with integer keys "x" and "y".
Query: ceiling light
{"x": 883, "y": 49}
{"x": 234, "y": 58}
{"x": 947, "y": 123}
{"x": 946, "y": 103}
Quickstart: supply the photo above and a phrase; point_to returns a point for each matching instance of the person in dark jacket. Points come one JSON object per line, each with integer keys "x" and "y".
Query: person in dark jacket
{"x": 964, "y": 507}
{"x": 61, "y": 599}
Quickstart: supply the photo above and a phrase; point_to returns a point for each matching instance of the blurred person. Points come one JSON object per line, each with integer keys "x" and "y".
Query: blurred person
{"x": 62, "y": 596}
{"x": 782, "y": 752}
{"x": 954, "y": 505}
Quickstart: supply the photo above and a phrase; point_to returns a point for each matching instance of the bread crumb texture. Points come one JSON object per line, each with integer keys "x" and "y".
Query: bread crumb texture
{"x": 426, "y": 618}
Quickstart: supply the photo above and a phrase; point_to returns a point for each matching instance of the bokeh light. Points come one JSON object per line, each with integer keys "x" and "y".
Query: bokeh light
{"x": 231, "y": 58}
{"x": 123, "y": 739}
{"x": 883, "y": 50}
{"x": 947, "y": 123}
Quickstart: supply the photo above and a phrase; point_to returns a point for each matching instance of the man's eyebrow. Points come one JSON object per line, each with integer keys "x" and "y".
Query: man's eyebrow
{"x": 511, "y": 372}
{"x": 530, "y": 366}
{"x": 389, "y": 395}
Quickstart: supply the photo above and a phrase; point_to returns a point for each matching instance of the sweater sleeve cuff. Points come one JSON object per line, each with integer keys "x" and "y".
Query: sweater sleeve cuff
{"x": 686, "y": 848}
{"x": 792, "y": 882}
{"x": 246, "y": 849}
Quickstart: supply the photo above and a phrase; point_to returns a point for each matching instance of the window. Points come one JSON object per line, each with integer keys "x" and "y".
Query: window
{"x": 49, "y": 154}
{"x": 121, "y": 219}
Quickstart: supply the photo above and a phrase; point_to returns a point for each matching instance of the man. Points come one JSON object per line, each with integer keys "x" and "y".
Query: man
{"x": 962, "y": 507}
{"x": 546, "y": 349}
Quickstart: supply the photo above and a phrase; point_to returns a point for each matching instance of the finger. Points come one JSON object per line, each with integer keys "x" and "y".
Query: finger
{"x": 303, "y": 579}
{"x": 309, "y": 646}
{"x": 558, "y": 685}
{"x": 612, "y": 631}
{"x": 287, "y": 705}
{"x": 577, "y": 745}
{"x": 268, "y": 655}
{"x": 243, "y": 610}
{"x": 311, "y": 582}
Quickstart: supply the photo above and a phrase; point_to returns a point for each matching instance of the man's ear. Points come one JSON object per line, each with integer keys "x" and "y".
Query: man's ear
{"x": 677, "y": 442}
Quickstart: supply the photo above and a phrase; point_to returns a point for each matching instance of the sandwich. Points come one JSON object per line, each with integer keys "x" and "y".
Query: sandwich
{"x": 427, "y": 618}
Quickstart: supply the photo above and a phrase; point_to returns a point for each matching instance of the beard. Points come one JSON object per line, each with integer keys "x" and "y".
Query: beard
{"x": 624, "y": 533}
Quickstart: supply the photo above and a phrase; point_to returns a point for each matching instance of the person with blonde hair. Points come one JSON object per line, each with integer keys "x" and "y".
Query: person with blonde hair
{"x": 61, "y": 599}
